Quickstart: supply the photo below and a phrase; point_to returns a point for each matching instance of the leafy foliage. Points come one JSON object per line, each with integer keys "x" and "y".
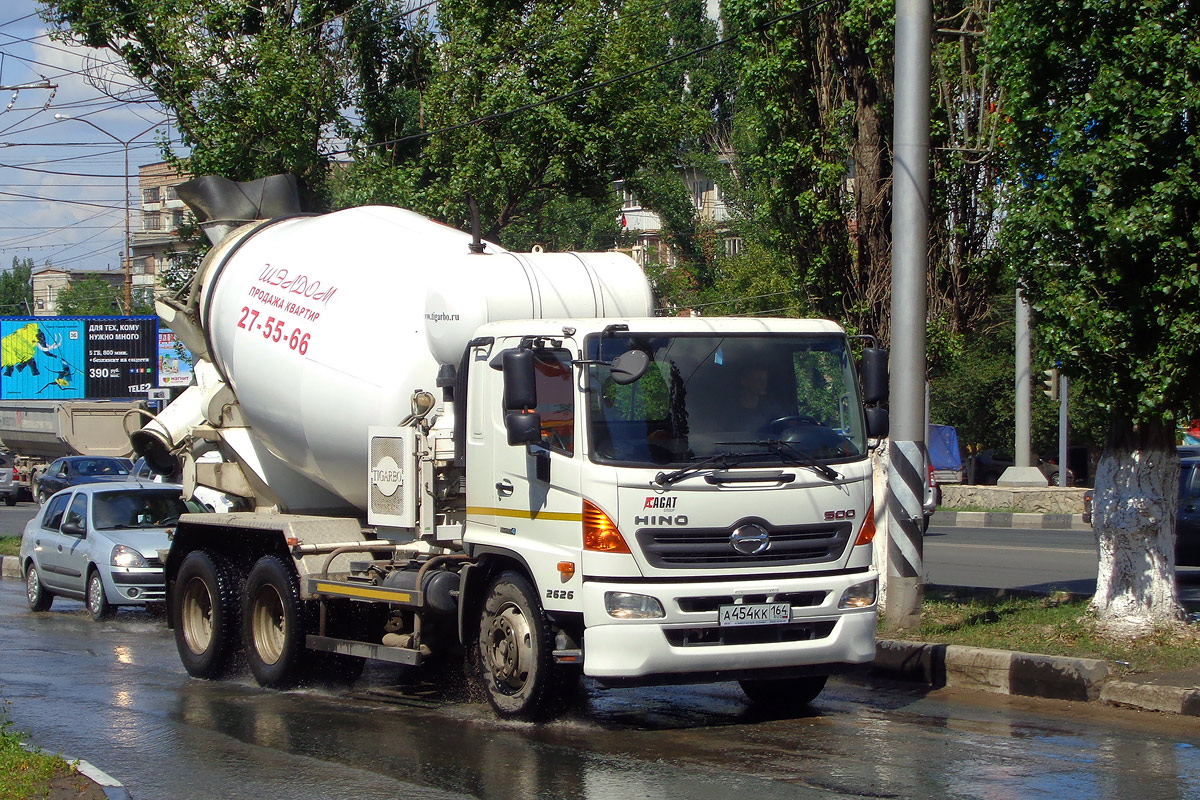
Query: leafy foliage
{"x": 90, "y": 296}
{"x": 16, "y": 288}
{"x": 1103, "y": 224}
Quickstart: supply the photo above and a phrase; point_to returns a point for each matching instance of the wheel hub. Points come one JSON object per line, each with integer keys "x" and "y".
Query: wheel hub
{"x": 510, "y": 648}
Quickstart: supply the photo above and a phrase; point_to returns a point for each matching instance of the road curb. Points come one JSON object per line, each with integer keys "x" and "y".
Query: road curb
{"x": 1026, "y": 675}
{"x": 10, "y": 567}
{"x": 1003, "y": 519}
{"x": 112, "y": 788}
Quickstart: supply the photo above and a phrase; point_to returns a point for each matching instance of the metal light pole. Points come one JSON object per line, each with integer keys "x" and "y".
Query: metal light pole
{"x": 125, "y": 143}
{"x": 910, "y": 205}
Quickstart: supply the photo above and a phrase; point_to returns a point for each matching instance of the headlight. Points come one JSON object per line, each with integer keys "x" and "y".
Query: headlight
{"x": 123, "y": 556}
{"x": 860, "y": 595}
{"x": 625, "y": 605}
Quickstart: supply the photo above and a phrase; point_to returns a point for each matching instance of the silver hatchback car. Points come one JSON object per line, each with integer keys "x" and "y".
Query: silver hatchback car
{"x": 99, "y": 543}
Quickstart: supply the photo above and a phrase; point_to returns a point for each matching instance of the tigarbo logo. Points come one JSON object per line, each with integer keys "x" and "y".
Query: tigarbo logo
{"x": 386, "y": 476}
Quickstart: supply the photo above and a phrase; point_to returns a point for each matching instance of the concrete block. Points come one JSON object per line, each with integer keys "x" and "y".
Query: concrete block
{"x": 978, "y": 668}
{"x": 912, "y": 661}
{"x": 1171, "y": 699}
{"x": 1057, "y": 677}
{"x": 10, "y": 567}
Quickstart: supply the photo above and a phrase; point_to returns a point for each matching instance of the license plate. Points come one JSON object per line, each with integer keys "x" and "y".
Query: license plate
{"x": 755, "y": 614}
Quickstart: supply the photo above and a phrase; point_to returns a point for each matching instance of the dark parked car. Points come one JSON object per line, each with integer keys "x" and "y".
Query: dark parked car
{"x": 1187, "y": 524}
{"x": 78, "y": 470}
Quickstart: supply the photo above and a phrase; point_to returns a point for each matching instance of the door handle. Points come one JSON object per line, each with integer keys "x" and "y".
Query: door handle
{"x": 504, "y": 488}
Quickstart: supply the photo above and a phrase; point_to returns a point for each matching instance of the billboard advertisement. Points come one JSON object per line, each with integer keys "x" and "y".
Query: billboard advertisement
{"x": 174, "y": 361}
{"x": 56, "y": 358}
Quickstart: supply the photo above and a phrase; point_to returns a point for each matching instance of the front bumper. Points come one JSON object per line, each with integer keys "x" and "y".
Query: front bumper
{"x": 689, "y": 642}
{"x": 136, "y": 585}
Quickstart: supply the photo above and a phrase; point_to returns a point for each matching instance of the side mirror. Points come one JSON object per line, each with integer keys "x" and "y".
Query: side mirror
{"x": 877, "y": 422}
{"x": 874, "y": 375}
{"x": 523, "y": 427}
{"x": 73, "y": 529}
{"x": 520, "y": 390}
{"x": 629, "y": 366}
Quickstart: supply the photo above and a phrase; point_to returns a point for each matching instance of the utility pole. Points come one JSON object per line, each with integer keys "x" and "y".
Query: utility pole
{"x": 125, "y": 143}
{"x": 907, "y": 469}
{"x": 1022, "y": 473}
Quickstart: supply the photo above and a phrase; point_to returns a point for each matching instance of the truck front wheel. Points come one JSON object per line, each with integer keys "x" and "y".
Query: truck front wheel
{"x": 516, "y": 651}
{"x": 786, "y": 693}
{"x": 205, "y": 610}
{"x": 273, "y": 630}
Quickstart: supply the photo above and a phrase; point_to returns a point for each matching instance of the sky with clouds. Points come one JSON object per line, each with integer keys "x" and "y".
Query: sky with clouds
{"x": 62, "y": 181}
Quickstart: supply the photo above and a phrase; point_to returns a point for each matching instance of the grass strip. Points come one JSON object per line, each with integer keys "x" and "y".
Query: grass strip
{"x": 10, "y": 545}
{"x": 1055, "y": 625}
{"x": 28, "y": 774}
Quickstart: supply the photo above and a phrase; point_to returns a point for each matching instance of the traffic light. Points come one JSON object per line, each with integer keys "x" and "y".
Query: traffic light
{"x": 1050, "y": 383}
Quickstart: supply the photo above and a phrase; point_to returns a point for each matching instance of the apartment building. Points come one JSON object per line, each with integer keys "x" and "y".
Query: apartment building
{"x": 644, "y": 227}
{"x": 155, "y": 232}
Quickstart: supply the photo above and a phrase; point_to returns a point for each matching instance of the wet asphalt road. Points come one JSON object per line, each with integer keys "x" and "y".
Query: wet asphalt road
{"x": 115, "y": 694}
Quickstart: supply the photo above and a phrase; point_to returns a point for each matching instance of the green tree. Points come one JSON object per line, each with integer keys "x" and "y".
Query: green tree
{"x": 810, "y": 176}
{"x": 535, "y": 108}
{"x": 16, "y": 288}
{"x": 91, "y": 296}
{"x": 1102, "y": 228}
{"x": 255, "y": 88}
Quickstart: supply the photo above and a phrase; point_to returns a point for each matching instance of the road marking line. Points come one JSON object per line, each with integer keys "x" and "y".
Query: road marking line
{"x": 935, "y": 543}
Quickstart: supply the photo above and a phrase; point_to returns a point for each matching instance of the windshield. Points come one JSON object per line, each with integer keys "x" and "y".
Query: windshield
{"x": 706, "y": 395}
{"x": 139, "y": 508}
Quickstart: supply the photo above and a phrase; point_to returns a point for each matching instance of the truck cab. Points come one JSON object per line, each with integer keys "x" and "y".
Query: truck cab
{"x": 706, "y": 516}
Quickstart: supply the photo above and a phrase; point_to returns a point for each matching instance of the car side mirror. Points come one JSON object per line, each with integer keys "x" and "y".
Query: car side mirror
{"x": 629, "y": 366}
{"x": 73, "y": 529}
{"x": 874, "y": 372}
{"x": 523, "y": 427}
{"x": 877, "y": 422}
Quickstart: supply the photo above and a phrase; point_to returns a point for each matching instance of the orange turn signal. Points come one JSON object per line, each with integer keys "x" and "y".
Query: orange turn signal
{"x": 599, "y": 532}
{"x": 566, "y": 569}
{"x": 867, "y": 532}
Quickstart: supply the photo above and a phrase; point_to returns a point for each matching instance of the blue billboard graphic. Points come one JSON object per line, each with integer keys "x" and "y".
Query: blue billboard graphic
{"x": 56, "y": 358}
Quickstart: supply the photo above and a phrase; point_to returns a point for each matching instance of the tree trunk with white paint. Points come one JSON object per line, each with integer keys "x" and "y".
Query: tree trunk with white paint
{"x": 1133, "y": 514}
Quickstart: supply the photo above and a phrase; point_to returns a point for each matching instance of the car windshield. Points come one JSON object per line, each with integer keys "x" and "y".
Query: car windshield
{"x": 756, "y": 399}
{"x": 142, "y": 508}
{"x": 101, "y": 466}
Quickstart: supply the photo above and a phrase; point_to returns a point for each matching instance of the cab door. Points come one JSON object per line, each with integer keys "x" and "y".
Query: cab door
{"x": 537, "y": 487}
{"x": 56, "y": 553}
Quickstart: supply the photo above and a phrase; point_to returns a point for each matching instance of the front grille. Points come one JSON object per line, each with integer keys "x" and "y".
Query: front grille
{"x": 693, "y": 605}
{"x": 690, "y": 548}
{"x": 749, "y": 634}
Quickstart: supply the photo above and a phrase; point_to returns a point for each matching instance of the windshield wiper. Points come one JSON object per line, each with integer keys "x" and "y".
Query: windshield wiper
{"x": 788, "y": 450}
{"x": 723, "y": 459}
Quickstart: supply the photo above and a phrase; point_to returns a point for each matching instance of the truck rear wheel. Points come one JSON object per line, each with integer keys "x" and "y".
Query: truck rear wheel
{"x": 273, "y": 627}
{"x": 205, "y": 611}
{"x": 787, "y": 693}
{"x": 516, "y": 651}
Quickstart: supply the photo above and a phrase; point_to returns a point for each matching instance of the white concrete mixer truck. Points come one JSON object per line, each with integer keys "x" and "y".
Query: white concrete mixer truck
{"x": 447, "y": 449}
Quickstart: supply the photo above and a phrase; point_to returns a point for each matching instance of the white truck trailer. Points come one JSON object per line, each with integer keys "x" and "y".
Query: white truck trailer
{"x": 453, "y": 449}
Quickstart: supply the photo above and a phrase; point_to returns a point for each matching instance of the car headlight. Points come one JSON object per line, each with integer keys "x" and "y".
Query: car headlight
{"x": 626, "y": 605}
{"x": 860, "y": 595}
{"x": 123, "y": 556}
